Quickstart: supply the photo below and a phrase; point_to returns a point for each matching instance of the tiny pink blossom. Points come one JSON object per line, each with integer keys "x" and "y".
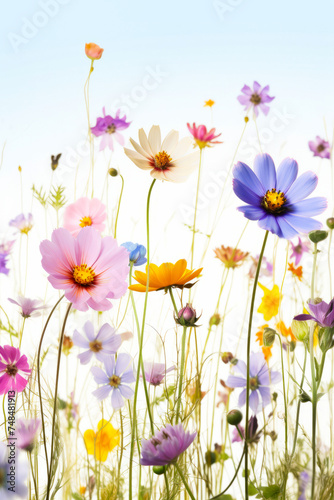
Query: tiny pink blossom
{"x": 29, "y": 307}
{"x": 12, "y": 365}
{"x": 26, "y": 433}
{"x": 89, "y": 268}
{"x": 85, "y": 212}
{"x": 299, "y": 249}
{"x": 320, "y": 147}
{"x": 203, "y": 137}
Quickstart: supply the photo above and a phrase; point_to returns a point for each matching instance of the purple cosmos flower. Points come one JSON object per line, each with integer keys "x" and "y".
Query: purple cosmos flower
{"x": 102, "y": 344}
{"x": 109, "y": 127}
{"x": 137, "y": 253}
{"x": 299, "y": 249}
{"x": 304, "y": 479}
{"x": 21, "y": 473}
{"x": 277, "y": 200}
{"x": 3, "y": 264}
{"x": 166, "y": 445}
{"x": 118, "y": 374}
{"x": 156, "y": 372}
{"x": 256, "y": 97}
{"x": 29, "y": 307}
{"x": 259, "y": 381}
{"x": 22, "y": 223}
{"x": 322, "y": 312}
{"x": 320, "y": 148}
{"x": 26, "y": 433}
{"x": 265, "y": 270}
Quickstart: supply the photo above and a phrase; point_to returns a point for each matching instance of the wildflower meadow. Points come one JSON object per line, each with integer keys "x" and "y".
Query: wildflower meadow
{"x": 166, "y": 327}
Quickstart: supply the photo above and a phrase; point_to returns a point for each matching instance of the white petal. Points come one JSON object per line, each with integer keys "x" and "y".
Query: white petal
{"x": 140, "y": 150}
{"x": 144, "y": 142}
{"x": 170, "y": 142}
{"x": 137, "y": 159}
{"x": 154, "y": 138}
{"x": 182, "y": 147}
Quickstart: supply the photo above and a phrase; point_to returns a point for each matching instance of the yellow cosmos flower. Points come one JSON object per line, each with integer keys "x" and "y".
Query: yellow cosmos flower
{"x": 270, "y": 302}
{"x": 167, "y": 275}
{"x": 103, "y": 441}
{"x": 209, "y": 103}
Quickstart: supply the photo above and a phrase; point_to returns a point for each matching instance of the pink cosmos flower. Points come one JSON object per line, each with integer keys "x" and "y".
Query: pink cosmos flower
{"x": 29, "y": 307}
{"x": 26, "y": 433}
{"x": 156, "y": 372}
{"x": 299, "y": 249}
{"x": 22, "y": 223}
{"x": 89, "y": 268}
{"x": 320, "y": 147}
{"x": 12, "y": 364}
{"x": 203, "y": 138}
{"x": 85, "y": 212}
{"x": 255, "y": 97}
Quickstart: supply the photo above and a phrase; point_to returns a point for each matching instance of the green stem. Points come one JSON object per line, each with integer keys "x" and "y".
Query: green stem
{"x": 184, "y": 481}
{"x": 314, "y": 382}
{"x": 166, "y": 483}
{"x": 235, "y": 474}
{"x": 119, "y": 205}
{"x": 183, "y": 357}
{"x": 248, "y": 357}
{"x": 173, "y": 301}
{"x": 195, "y": 213}
{"x": 286, "y": 413}
{"x": 298, "y": 406}
{"x": 55, "y": 401}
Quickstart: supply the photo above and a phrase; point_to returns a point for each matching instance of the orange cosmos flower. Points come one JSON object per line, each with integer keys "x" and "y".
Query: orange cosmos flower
{"x": 286, "y": 332}
{"x": 167, "y": 275}
{"x": 259, "y": 338}
{"x": 209, "y": 103}
{"x": 297, "y": 271}
{"x": 93, "y": 51}
{"x": 231, "y": 257}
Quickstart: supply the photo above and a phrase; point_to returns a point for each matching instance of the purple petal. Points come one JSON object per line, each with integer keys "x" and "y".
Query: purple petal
{"x": 270, "y": 223}
{"x": 89, "y": 330}
{"x": 117, "y": 401}
{"x": 302, "y": 224}
{"x": 302, "y": 187}
{"x": 233, "y": 381}
{"x": 244, "y": 174}
{"x": 286, "y": 230}
{"x": 310, "y": 207}
{"x": 102, "y": 392}
{"x": 126, "y": 391}
{"x": 245, "y": 194}
{"x": 275, "y": 377}
{"x": 85, "y": 357}
{"x": 99, "y": 375}
{"x": 79, "y": 340}
{"x": 122, "y": 363}
{"x": 128, "y": 377}
{"x": 254, "y": 401}
{"x": 109, "y": 363}
{"x": 265, "y": 395}
{"x": 252, "y": 213}
{"x": 241, "y": 368}
{"x": 264, "y": 168}
{"x": 256, "y": 363}
{"x": 242, "y": 398}
{"x": 286, "y": 174}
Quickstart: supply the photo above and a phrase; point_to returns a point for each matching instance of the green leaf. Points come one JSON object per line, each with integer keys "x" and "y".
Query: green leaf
{"x": 40, "y": 195}
{"x": 252, "y": 490}
{"x": 56, "y": 197}
{"x": 76, "y": 496}
{"x": 225, "y": 497}
{"x": 271, "y": 491}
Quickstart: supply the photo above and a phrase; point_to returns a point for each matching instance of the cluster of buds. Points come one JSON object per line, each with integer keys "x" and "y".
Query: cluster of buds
{"x": 187, "y": 316}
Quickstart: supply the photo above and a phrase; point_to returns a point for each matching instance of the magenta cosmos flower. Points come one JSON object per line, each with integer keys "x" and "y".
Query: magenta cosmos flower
{"x": 26, "y": 433}
{"x": 29, "y": 307}
{"x": 299, "y": 249}
{"x": 156, "y": 372}
{"x": 13, "y": 370}
{"x": 320, "y": 147}
{"x": 108, "y": 128}
{"x": 101, "y": 344}
{"x": 90, "y": 269}
{"x": 165, "y": 160}
{"x": 203, "y": 138}
{"x": 256, "y": 98}
{"x": 166, "y": 445}
{"x": 85, "y": 212}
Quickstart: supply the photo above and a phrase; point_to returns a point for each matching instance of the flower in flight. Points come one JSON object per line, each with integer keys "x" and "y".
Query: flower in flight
{"x": 29, "y": 307}
{"x": 299, "y": 249}
{"x": 156, "y": 372}
{"x": 109, "y": 128}
{"x": 256, "y": 97}
{"x": 14, "y": 370}
{"x": 93, "y": 51}
{"x": 203, "y": 138}
{"x": 166, "y": 445}
{"x": 136, "y": 253}
{"x": 89, "y": 268}
{"x": 270, "y": 302}
{"x": 102, "y": 442}
{"x": 260, "y": 381}
{"x": 166, "y": 160}
{"x": 85, "y": 212}
{"x": 165, "y": 276}
{"x": 230, "y": 257}
{"x": 101, "y": 344}
{"x": 320, "y": 147}
{"x": 116, "y": 378}
{"x": 277, "y": 199}
{"x": 22, "y": 223}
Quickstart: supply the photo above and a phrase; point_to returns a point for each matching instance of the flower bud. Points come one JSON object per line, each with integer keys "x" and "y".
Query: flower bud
{"x": 227, "y": 357}
{"x": 326, "y": 338}
{"x": 234, "y": 417}
{"x": 330, "y": 222}
{"x": 214, "y": 320}
{"x": 186, "y": 316}
{"x": 159, "y": 469}
{"x": 317, "y": 236}
{"x": 300, "y": 329}
{"x": 19, "y": 168}
{"x": 113, "y": 172}
{"x": 93, "y": 51}
{"x": 304, "y": 397}
{"x": 246, "y": 119}
{"x": 210, "y": 457}
{"x": 268, "y": 337}
{"x": 67, "y": 345}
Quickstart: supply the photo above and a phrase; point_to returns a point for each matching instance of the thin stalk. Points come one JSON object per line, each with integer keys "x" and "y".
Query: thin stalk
{"x": 195, "y": 213}
{"x": 314, "y": 382}
{"x": 119, "y": 205}
{"x": 235, "y": 474}
{"x": 183, "y": 353}
{"x": 298, "y": 406}
{"x": 179, "y": 470}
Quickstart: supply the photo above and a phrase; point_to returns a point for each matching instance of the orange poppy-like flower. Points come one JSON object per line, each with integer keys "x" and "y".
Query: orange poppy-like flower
{"x": 167, "y": 275}
{"x": 297, "y": 271}
{"x": 209, "y": 103}
{"x": 286, "y": 332}
{"x": 102, "y": 442}
{"x": 259, "y": 338}
{"x": 93, "y": 51}
{"x": 231, "y": 257}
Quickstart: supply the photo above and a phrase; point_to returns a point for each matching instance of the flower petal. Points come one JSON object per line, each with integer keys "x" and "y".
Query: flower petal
{"x": 264, "y": 168}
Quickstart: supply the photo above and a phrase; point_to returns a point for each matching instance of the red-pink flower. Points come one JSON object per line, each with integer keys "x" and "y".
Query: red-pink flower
{"x": 93, "y": 51}
{"x": 12, "y": 365}
{"x": 203, "y": 138}
{"x": 89, "y": 268}
{"x": 85, "y": 212}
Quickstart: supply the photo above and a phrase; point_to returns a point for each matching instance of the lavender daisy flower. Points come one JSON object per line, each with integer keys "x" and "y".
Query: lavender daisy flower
{"x": 102, "y": 344}
{"x": 304, "y": 479}
{"x": 29, "y": 307}
{"x": 256, "y": 98}
{"x": 18, "y": 483}
{"x": 137, "y": 253}
{"x": 320, "y": 147}
{"x": 109, "y": 127}
{"x": 22, "y": 223}
{"x": 156, "y": 372}
{"x": 259, "y": 381}
{"x": 115, "y": 379}
{"x": 166, "y": 445}
{"x": 26, "y": 433}
{"x": 321, "y": 312}
{"x": 276, "y": 199}
{"x": 298, "y": 250}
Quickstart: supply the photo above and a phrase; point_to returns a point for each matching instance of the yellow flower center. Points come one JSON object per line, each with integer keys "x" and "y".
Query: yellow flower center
{"x": 253, "y": 383}
{"x": 114, "y": 381}
{"x": 273, "y": 201}
{"x": 85, "y": 221}
{"x": 111, "y": 129}
{"x": 11, "y": 370}
{"x": 83, "y": 275}
{"x": 162, "y": 160}
{"x": 95, "y": 346}
{"x": 255, "y": 99}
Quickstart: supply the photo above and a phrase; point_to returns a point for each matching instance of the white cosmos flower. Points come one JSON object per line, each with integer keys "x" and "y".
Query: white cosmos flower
{"x": 166, "y": 161}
